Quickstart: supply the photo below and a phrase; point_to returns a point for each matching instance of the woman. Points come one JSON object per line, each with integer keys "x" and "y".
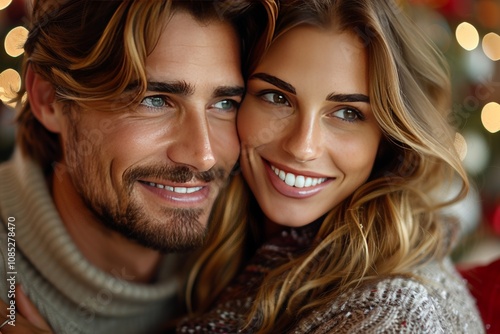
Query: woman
{"x": 344, "y": 139}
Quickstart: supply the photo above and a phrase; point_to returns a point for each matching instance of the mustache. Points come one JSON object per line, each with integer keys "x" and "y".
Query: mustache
{"x": 177, "y": 174}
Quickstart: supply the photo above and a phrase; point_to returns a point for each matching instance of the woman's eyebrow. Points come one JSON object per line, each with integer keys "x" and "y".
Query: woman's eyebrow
{"x": 274, "y": 81}
{"x": 334, "y": 97}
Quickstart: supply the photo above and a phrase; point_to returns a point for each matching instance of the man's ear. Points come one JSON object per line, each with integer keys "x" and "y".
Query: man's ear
{"x": 41, "y": 95}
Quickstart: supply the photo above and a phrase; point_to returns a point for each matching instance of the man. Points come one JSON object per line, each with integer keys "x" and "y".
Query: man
{"x": 125, "y": 140}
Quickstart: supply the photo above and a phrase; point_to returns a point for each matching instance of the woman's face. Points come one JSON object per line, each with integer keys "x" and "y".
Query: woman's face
{"x": 309, "y": 137}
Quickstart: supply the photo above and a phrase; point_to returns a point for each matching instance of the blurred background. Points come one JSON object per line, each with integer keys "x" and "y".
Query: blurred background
{"x": 466, "y": 31}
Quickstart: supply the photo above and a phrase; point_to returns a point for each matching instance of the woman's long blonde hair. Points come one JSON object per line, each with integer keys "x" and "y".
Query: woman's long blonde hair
{"x": 391, "y": 224}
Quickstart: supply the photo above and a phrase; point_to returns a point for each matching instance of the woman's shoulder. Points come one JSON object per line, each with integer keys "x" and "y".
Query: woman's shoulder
{"x": 434, "y": 299}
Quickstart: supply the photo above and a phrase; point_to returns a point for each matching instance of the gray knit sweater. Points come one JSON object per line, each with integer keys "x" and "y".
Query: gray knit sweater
{"x": 72, "y": 294}
{"x": 440, "y": 303}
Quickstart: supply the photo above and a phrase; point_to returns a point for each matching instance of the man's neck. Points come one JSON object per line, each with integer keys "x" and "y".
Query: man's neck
{"x": 106, "y": 249}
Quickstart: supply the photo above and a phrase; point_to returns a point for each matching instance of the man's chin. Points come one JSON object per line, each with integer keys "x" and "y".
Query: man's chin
{"x": 177, "y": 230}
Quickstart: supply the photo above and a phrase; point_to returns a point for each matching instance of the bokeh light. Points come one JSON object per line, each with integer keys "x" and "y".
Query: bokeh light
{"x": 477, "y": 66}
{"x": 478, "y": 154}
{"x": 491, "y": 46}
{"x": 4, "y": 4}
{"x": 490, "y": 116}
{"x": 15, "y": 40}
{"x": 467, "y": 36}
{"x": 10, "y": 84}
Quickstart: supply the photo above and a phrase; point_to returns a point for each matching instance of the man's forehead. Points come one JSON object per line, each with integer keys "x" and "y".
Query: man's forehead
{"x": 193, "y": 55}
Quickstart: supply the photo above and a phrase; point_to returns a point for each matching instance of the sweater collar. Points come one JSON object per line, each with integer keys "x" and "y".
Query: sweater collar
{"x": 44, "y": 241}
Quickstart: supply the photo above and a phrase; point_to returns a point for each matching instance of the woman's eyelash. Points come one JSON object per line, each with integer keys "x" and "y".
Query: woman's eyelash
{"x": 358, "y": 115}
{"x": 345, "y": 113}
{"x": 274, "y": 97}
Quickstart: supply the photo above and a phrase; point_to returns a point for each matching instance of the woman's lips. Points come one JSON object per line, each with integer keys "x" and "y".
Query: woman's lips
{"x": 296, "y": 180}
{"x": 293, "y": 184}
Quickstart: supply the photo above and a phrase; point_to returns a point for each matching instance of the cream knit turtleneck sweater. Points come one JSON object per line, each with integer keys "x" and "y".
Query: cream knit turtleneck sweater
{"x": 72, "y": 294}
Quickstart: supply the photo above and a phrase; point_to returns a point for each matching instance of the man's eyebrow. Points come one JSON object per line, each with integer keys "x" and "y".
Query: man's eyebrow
{"x": 274, "y": 81}
{"x": 348, "y": 98}
{"x": 229, "y": 91}
{"x": 175, "y": 87}
{"x": 183, "y": 88}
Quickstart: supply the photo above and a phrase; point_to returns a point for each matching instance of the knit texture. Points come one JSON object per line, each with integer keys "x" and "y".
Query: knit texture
{"x": 72, "y": 294}
{"x": 393, "y": 305}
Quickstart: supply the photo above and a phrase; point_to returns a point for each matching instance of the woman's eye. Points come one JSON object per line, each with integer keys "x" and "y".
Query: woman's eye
{"x": 275, "y": 98}
{"x": 155, "y": 101}
{"x": 348, "y": 115}
{"x": 226, "y": 105}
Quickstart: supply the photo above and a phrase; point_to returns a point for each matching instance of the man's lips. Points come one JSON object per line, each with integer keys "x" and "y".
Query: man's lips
{"x": 176, "y": 189}
{"x": 180, "y": 194}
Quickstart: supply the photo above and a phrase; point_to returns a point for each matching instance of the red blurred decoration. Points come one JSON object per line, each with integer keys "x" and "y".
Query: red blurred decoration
{"x": 495, "y": 220}
{"x": 491, "y": 211}
{"x": 484, "y": 285}
{"x": 458, "y": 9}
{"x": 452, "y": 9}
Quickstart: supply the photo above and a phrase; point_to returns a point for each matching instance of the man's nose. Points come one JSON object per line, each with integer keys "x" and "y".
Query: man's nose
{"x": 191, "y": 144}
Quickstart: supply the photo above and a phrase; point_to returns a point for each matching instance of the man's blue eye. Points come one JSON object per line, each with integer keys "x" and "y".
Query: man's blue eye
{"x": 154, "y": 101}
{"x": 226, "y": 105}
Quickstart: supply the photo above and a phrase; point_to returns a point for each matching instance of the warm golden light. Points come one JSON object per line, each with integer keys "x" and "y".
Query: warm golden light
{"x": 10, "y": 83}
{"x": 4, "y": 4}
{"x": 490, "y": 116}
{"x": 15, "y": 40}
{"x": 467, "y": 36}
{"x": 460, "y": 146}
{"x": 491, "y": 46}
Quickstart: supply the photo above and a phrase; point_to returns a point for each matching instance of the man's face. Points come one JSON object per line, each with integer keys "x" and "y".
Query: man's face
{"x": 153, "y": 173}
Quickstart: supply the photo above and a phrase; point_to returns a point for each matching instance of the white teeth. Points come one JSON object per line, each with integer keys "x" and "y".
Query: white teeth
{"x": 179, "y": 190}
{"x": 192, "y": 190}
{"x": 298, "y": 181}
{"x": 309, "y": 182}
{"x": 290, "y": 179}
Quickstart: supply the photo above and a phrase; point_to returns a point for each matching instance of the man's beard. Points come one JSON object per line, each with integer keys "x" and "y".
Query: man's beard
{"x": 178, "y": 229}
